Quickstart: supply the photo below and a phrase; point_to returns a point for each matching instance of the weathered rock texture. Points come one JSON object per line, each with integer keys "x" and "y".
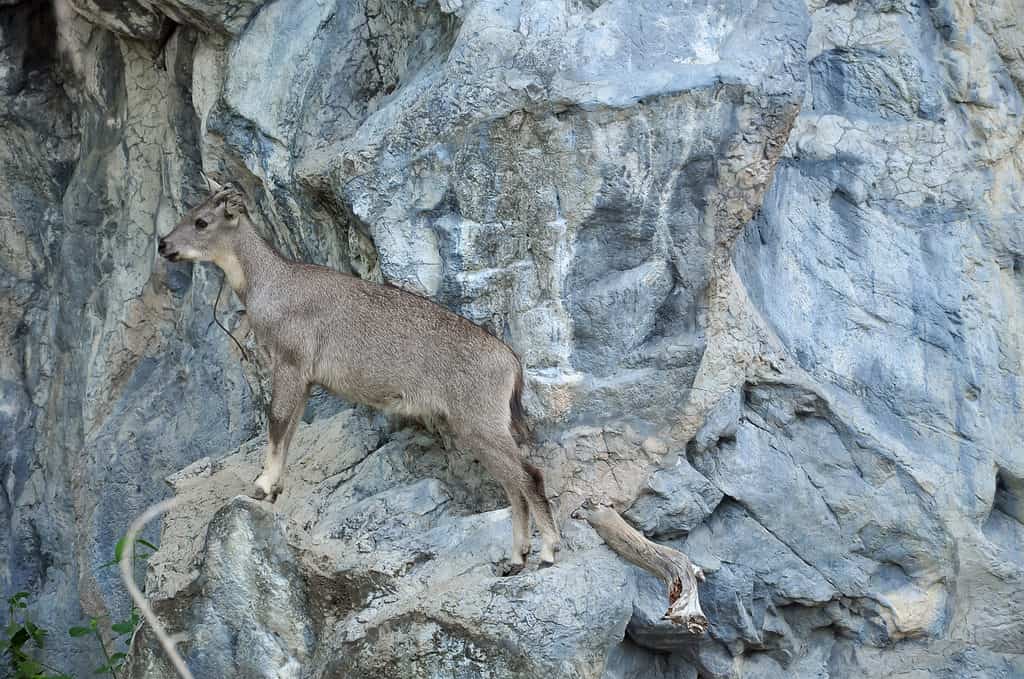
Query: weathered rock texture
{"x": 763, "y": 260}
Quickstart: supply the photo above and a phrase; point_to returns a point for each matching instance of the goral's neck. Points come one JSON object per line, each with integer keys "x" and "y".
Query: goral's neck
{"x": 251, "y": 263}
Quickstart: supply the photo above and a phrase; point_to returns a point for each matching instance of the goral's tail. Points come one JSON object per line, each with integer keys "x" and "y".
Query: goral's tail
{"x": 520, "y": 430}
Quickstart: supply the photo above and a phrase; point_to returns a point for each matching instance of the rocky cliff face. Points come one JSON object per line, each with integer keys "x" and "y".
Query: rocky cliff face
{"x": 763, "y": 262}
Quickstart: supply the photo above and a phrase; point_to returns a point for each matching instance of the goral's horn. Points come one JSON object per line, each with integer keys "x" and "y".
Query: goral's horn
{"x": 211, "y": 183}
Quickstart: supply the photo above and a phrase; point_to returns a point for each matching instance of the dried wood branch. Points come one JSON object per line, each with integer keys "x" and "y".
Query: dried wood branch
{"x": 672, "y": 566}
{"x": 128, "y": 576}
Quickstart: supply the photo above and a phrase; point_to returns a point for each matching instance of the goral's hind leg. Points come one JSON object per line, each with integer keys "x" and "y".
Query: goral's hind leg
{"x": 286, "y": 404}
{"x": 537, "y": 500}
{"x": 520, "y": 529}
{"x": 504, "y": 471}
{"x": 524, "y": 488}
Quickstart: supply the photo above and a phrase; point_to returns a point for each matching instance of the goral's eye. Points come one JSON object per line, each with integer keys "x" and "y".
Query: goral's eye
{"x": 201, "y": 224}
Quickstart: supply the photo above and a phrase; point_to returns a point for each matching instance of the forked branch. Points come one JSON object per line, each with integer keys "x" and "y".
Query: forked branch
{"x": 672, "y": 566}
{"x": 128, "y": 576}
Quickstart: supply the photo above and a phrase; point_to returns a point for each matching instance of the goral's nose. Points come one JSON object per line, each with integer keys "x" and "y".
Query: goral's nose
{"x": 162, "y": 247}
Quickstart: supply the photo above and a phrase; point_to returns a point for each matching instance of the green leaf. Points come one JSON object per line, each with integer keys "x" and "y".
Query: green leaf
{"x": 147, "y": 543}
{"x": 79, "y": 631}
{"x": 119, "y": 548}
{"x": 38, "y": 635}
{"x": 118, "y": 657}
{"x": 119, "y": 551}
{"x": 104, "y": 669}
{"x": 29, "y": 668}
{"x": 123, "y": 627}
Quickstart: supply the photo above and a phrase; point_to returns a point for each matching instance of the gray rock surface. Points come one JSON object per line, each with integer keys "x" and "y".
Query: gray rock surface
{"x": 370, "y": 565}
{"x": 763, "y": 262}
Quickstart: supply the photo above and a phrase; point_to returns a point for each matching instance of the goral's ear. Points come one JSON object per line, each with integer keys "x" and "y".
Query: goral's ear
{"x": 234, "y": 204}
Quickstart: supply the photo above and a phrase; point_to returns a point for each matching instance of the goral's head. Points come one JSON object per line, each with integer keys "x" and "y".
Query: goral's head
{"x": 207, "y": 232}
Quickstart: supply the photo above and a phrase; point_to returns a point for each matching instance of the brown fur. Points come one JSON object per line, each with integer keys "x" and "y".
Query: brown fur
{"x": 373, "y": 344}
{"x": 520, "y": 430}
{"x": 538, "y": 478}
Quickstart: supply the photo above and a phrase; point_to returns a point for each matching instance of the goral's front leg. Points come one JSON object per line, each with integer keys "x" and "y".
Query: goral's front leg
{"x": 287, "y": 401}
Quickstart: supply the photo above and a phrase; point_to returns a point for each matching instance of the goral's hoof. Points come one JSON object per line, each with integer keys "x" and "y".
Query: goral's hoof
{"x": 258, "y": 492}
{"x": 506, "y": 568}
{"x": 548, "y": 554}
{"x": 513, "y": 569}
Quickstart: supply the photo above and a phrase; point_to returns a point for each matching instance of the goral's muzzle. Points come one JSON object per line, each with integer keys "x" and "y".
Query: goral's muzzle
{"x": 166, "y": 252}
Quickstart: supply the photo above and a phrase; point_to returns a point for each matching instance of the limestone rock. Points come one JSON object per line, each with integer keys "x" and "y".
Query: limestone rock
{"x": 399, "y": 579}
{"x": 762, "y": 262}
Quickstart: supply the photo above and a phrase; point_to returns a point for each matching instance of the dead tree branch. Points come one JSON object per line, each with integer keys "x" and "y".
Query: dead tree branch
{"x": 672, "y": 566}
{"x": 128, "y": 576}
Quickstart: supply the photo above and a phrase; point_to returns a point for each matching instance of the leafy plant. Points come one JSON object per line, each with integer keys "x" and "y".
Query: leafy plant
{"x": 121, "y": 632}
{"x": 23, "y": 642}
{"x": 136, "y": 556}
{"x": 20, "y": 635}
